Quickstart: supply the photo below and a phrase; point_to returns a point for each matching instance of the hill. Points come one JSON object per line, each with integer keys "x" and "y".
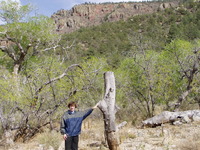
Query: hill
{"x": 118, "y": 40}
{"x": 155, "y": 58}
{"x": 90, "y": 14}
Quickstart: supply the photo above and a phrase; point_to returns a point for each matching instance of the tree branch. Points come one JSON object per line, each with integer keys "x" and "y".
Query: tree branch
{"x": 57, "y": 78}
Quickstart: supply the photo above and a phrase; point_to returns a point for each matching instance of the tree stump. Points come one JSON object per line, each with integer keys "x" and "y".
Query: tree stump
{"x": 107, "y": 106}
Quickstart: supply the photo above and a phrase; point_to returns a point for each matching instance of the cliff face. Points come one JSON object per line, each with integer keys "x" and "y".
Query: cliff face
{"x": 94, "y": 14}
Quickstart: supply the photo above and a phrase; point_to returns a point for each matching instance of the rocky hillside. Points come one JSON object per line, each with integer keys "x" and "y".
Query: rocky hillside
{"x": 94, "y": 14}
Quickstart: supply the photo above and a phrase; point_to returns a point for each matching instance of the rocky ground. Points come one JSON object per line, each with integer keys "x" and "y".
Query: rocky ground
{"x": 165, "y": 137}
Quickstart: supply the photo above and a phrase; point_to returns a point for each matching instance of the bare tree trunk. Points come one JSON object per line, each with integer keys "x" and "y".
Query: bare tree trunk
{"x": 16, "y": 69}
{"x": 107, "y": 106}
{"x": 189, "y": 74}
{"x": 7, "y": 133}
{"x": 180, "y": 100}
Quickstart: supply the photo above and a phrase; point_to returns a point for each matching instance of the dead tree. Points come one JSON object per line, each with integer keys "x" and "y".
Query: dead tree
{"x": 107, "y": 106}
{"x": 189, "y": 74}
{"x": 173, "y": 118}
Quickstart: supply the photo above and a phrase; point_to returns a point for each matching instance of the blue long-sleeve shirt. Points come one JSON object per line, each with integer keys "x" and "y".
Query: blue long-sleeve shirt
{"x": 71, "y": 122}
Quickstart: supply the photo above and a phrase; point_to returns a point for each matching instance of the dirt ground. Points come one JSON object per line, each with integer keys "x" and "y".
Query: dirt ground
{"x": 165, "y": 137}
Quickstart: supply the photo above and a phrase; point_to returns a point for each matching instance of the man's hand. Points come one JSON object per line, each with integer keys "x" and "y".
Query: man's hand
{"x": 95, "y": 106}
{"x": 65, "y": 136}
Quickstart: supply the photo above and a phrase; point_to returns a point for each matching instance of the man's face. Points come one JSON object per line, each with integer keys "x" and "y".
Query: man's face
{"x": 72, "y": 108}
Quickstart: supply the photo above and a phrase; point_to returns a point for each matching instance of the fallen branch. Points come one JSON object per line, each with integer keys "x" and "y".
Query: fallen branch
{"x": 121, "y": 125}
{"x": 172, "y": 117}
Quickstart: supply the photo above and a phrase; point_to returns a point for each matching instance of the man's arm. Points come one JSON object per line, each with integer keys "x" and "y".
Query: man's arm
{"x": 89, "y": 111}
{"x": 62, "y": 125}
{"x": 62, "y": 128}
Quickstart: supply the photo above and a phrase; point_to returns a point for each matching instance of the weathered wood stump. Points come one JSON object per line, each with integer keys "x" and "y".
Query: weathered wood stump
{"x": 107, "y": 106}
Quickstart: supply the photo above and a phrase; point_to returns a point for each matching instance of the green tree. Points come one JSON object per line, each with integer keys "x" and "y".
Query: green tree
{"x": 140, "y": 70}
{"x": 12, "y": 11}
{"x": 149, "y": 78}
{"x": 46, "y": 86}
{"x": 173, "y": 32}
{"x": 21, "y": 39}
{"x": 185, "y": 56}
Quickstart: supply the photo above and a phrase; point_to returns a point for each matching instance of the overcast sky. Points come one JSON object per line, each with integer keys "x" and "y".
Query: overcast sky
{"x": 48, "y": 7}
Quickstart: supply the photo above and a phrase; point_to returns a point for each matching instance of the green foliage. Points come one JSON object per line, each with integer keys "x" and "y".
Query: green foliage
{"x": 36, "y": 30}
{"x": 24, "y": 38}
{"x": 7, "y": 89}
{"x": 12, "y": 11}
{"x": 147, "y": 53}
{"x": 155, "y": 78}
{"x": 37, "y": 95}
{"x": 112, "y": 40}
{"x": 139, "y": 76}
{"x": 92, "y": 80}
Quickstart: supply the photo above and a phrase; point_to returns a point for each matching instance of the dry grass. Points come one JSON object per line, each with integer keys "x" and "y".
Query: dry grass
{"x": 167, "y": 137}
{"x": 189, "y": 144}
{"x": 92, "y": 136}
{"x": 49, "y": 139}
{"x": 190, "y": 138}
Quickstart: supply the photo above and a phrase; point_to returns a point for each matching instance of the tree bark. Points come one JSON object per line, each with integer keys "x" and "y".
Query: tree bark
{"x": 16, "y": 69}
{"x": 107, "y": 106}
{"x": 180, "y": 100}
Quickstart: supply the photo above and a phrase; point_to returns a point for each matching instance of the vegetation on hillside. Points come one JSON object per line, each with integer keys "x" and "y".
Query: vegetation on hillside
{"x": 155, "y": 59}
{"x": 118, "y": 40}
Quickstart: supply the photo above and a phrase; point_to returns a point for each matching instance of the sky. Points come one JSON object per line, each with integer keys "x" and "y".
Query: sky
{"x": 48, "y": 7}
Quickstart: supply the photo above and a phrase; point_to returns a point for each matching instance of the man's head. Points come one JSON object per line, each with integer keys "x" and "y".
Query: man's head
{"x": 72, "y": 106}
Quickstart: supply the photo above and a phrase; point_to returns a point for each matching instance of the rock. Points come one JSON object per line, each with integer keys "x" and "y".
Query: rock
{"x": 85, "y": 15}
{"x": 165, "y": 5}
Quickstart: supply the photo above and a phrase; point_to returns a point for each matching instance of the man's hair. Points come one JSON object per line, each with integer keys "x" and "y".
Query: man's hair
{"x": 72, "y": 104}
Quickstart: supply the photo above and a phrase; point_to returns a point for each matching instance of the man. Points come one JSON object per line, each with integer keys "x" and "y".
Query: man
{"x": 70, "y": 126}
